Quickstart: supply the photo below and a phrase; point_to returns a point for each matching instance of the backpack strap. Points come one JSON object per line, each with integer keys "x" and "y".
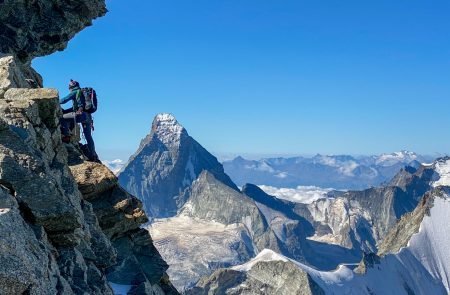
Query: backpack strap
{"x": 79, "y": 99}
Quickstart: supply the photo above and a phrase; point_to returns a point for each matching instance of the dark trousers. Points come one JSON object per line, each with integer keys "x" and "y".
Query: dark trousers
{"x": 68, "y": 122}
{"x": 87, "y": 131}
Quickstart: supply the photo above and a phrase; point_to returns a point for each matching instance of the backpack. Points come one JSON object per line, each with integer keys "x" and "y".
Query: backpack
{"x": 90, "y": 98}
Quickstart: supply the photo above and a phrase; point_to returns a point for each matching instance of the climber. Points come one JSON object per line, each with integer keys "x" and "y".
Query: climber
{"x": 76, "y": 114}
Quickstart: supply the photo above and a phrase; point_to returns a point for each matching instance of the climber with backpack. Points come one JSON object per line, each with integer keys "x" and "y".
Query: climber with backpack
{"x": 84, "y": 104}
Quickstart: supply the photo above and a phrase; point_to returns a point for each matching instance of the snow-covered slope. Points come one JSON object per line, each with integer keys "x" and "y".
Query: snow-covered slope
{"x": 422, "y": 267}
{"x": 265, "y": 256}
{"x": 442, "y": 168}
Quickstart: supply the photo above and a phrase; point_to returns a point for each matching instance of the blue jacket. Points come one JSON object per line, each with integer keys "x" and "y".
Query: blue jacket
{"x": 77, "y": 96}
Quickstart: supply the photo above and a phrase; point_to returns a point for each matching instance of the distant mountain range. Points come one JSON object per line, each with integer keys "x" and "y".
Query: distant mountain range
{"x": 341, "y": 172}
{"x": 202, "y": 221}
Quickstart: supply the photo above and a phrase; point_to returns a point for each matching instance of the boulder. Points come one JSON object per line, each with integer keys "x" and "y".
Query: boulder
{"x": 93, "y": 179}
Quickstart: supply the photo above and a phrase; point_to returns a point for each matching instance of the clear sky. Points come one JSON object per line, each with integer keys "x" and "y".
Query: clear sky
{"x": 260, "y": 76}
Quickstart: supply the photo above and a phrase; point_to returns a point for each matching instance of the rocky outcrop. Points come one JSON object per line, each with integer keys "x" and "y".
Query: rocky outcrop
{"x": 165, "y": 165}
{"x": 35, "y": 28}
{"x": 120, "y": 216}
{"x": 66, "y": 226}
{"x": 266, "y": 277}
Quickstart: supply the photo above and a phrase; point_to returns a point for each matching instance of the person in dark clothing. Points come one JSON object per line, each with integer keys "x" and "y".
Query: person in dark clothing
{"x": 75, "y": 115}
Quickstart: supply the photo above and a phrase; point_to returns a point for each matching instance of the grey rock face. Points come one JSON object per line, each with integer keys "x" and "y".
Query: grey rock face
{"x": 265, "y": 277}
{"x": 35, "y": 28}
{"x": 13, "y": 74}
{"x": 399, "y": 236}
{"x": 26, "y": 263}
{"x": 211, "y": 199}
{"x": 34, "y": 167}
{"x": 165, "y": 165}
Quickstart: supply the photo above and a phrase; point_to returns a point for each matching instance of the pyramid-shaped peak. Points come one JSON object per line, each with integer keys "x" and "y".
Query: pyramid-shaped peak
{"x": 167, "y": 128}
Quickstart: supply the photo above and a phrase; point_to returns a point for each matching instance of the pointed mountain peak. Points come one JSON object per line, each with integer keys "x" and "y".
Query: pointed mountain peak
{"x": 166, "y": 164}
{"x": 167, "y": 129}
{"x": 166, "y": 118}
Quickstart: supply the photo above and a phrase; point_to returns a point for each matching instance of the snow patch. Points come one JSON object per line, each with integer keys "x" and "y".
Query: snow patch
{"x": 265, "y": 255}
{"x": 442, "y": 168}
{"x": 189, "y": 175}
{"x": 193, "y": 248}
{"x": 167, "y": 129}
{"x": 301, "y": 194}
{"x": 4, "y": 210}
{"x": 395, "y": 158}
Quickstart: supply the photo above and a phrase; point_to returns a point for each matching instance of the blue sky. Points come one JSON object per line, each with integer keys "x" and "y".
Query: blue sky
{"x": 267, "y": 77}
